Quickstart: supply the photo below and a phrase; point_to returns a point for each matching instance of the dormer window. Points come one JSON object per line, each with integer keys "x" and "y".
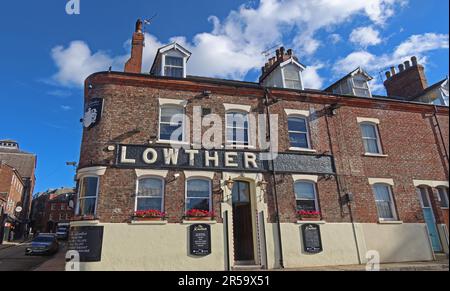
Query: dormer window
{"x": 173, "y": 67}
{"x": 355, "y": 84}
{"x": 170, "y": 61}
{"x": 292, "y": 78}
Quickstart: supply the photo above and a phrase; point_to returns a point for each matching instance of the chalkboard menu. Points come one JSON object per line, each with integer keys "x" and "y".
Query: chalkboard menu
{"x": 312, "y": 241}
{"x": 87, "y": 241}
{"x": 200, "y": 239}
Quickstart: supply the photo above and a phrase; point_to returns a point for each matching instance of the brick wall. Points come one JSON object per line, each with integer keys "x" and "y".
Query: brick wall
{"x": 407, "y": 131}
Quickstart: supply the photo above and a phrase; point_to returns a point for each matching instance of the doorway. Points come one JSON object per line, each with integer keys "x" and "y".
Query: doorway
{"x": 242, "y": 224}
{"x": 429, "y": 217}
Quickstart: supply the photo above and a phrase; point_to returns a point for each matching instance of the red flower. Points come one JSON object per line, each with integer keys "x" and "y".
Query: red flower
{"x": 305, "y": 213}
{"x": 199, "y": 213}
{"x": 149, "y": 213}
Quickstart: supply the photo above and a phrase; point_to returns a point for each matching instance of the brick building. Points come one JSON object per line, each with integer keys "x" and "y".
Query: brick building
{"x": 11, "y": 190}
{"x": 24, "y": 165}
{"x": 367, "y": 173}
{"x": 52, "y": 207}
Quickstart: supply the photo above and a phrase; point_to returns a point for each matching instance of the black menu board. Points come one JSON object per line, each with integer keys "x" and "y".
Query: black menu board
{"x": 312, "y": 241}
{"x": 200, "y": 239}
{"x": 87, "y": 241}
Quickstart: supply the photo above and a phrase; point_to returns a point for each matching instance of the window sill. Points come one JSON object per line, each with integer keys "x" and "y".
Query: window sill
{"x": 375, "y": 155}
{"x": 305, "y": 150}
{"x": 199, "y": 222}
{"x": 156, "y": 222}
{"x": 172, "y": 142}
{"x": 84, "y": 222}
{"x": 444, "y": 208}
{"x": 311, "y": 222}
{"x": 390, "y": 222}
{"x": 237, "y": 146}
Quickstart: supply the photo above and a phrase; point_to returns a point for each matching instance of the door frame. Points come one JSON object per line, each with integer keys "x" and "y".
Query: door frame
{"x": 253, "y": 199}
{"x": 429, "y": 197}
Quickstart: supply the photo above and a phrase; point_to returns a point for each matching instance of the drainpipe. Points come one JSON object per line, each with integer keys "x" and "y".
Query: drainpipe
{"x": 440, "y": 132}
{"x": 273, "y": 172}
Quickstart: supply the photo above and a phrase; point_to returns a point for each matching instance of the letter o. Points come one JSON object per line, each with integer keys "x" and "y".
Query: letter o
{"x": 154, "y": 156}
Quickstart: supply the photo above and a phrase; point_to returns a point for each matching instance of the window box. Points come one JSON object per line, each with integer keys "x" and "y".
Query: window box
{"x": 198, "y": 215}
{"x": 149, "y": 215}
{"x": 309, "y": 215}
{"x": 198, "y": 218}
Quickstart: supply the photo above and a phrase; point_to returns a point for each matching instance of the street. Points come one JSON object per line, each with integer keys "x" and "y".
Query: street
{"x": 14, "y": 259}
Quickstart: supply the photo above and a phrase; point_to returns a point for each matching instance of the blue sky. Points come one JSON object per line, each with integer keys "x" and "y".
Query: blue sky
{"x": 46, "y": 54}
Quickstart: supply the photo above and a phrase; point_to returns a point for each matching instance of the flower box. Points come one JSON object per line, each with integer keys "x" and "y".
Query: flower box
{"x": 197, "y": 214}
{"x": 309, "y": 215}
{"x": 149, "y": 215}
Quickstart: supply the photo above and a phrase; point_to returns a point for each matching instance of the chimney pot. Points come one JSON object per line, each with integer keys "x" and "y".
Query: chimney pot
{"x": 414, "y": 61}
{"x": 272, "y": 61}
{"x": 407, "y": 64}
{"x": 282, "y": 50}
{"x": 401, "y": 67}
{"x": 278, "y": 53}
{"x": 263, "y": 69}
{"x": 393, "y": 71}
{"x": 388, "y": 75}
{"x": 289, "y": 52}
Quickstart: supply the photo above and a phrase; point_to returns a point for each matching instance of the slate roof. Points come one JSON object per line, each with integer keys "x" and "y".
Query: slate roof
{"x": 23, "y": 162}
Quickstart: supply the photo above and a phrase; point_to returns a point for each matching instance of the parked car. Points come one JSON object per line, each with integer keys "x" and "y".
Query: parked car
{"x": 62, "y": 231}
{"x": 43, "y": 244}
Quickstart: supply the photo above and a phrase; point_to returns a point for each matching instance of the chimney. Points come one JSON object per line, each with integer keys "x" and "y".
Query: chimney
{"x": 134, "y": 64}
{"x": 409, "y": 82}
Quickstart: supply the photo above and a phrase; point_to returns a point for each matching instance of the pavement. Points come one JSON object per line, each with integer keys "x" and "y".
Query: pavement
{"x": 56, "y": 263}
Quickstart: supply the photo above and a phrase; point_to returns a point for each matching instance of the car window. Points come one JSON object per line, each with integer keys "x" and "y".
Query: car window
{"x": 44, "y": 239}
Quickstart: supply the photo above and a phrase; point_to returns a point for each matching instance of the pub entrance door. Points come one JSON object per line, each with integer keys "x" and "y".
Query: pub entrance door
{"x": 242, "y": 224}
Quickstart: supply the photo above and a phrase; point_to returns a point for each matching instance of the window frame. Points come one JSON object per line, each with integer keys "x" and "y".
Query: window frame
{"x": 162, "y": 191}
{"x": 233, "y": 143}
{"x": 316, "y": 196}
{"x": 183, "y": 125}
{"x": 308, "y": 131}
{"x": 378, "y": 137}
{"x": 79, "y": 198}
{"x": 172, "y": 66}
{"x": 186, "y": 192}
{"x": 392, "y": 203}
{"x": 445, "y": 198}
{"x": 360, "y": 88}
{"x": 285, "y": 78}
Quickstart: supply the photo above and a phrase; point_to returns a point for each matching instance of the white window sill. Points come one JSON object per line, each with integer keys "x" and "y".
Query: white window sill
{"x": 84, "y": 222}
{"x": 238, "y": 146}
{"x": 375, "y": 155}
{"x": 172, "y": 142}
{"x": 311, "y": 222}
{"x": 199, "y": 222}
{"x": 305, "y": 150}
{"x": 157, "y": 222}
{"x": 444, "y": 208}
{"x": 390, "y": 222}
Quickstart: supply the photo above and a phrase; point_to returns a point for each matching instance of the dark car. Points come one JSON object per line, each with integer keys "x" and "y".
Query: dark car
{"x": 43, "y": 244}
{"x": 62, "y": 232}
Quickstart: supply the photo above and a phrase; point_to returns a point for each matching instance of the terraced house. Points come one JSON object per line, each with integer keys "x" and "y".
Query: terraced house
{"x": 356, "y": 177}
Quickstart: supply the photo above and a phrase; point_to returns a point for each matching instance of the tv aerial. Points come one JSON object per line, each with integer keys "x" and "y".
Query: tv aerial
{"x": 148, "y": 21}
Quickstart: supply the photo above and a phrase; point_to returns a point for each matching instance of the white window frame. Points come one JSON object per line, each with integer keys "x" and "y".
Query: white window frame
{"x": 186, "y": 192}
{"x": 308, "y": 137}
{"x": 316, "y": 199}
{"x": 233, "y": 143}
{"x": 171, "y": 66}
{"x": 88, "y": 197}
{"x": 287, "y": 79}
{"x": 377, "y": 133}
{"x": 183, "y": 125}
{"x": 360, "y": 88}
{"x": 445, "y": 198}
{"x": 162, "y": 193}
{"x": 392, "y": 202}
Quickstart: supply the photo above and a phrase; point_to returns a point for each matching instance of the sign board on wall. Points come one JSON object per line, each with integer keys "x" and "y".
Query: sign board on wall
{"x": 93, "y": 112}
{"x": 200, "y": 239}
{"x": 87, "y": 241}
{"x": 312, "y": 240}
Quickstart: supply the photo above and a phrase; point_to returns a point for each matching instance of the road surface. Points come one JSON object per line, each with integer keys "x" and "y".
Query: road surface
{"x": 13, "y": 259}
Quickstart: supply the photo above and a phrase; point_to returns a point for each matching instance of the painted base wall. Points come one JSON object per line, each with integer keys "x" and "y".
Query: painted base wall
{"x": 166, "y": 247}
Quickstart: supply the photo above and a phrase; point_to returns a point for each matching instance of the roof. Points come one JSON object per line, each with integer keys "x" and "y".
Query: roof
{"x": 281, "y": 62}
{"x": 168, "y": 47}
{"x": 432, "y": 87}
{"x": 23, "y": 162}
{"x": 358, "y": 70}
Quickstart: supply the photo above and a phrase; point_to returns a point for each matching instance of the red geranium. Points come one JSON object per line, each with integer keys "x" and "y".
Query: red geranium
{"x": 305, "y": 213}
{"x": 199, "y": 213}
{"x": 149, "y": 213}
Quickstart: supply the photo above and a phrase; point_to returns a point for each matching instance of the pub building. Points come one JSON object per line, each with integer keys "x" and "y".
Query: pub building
{"x": 356, "y": 177}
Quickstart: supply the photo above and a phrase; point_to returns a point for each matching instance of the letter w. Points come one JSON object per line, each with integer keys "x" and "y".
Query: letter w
{"x": 171, "y": 156}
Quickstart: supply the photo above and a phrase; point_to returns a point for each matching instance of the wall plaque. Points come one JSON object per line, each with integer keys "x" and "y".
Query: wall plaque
{"x": 312, "y": 241}
{"x": 87, "y": 241}
{"x": 200, "y": 239}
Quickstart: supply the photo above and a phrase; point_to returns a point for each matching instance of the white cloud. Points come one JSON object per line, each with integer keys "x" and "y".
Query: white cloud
{"x": 233, "y": 46}
{"x": 65, "y": 108}
{"x": 365, "y": 36}
{"x": 335, "y": 38}
{"x": 311, "y": 77}
{"x": 416, "y": 45}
